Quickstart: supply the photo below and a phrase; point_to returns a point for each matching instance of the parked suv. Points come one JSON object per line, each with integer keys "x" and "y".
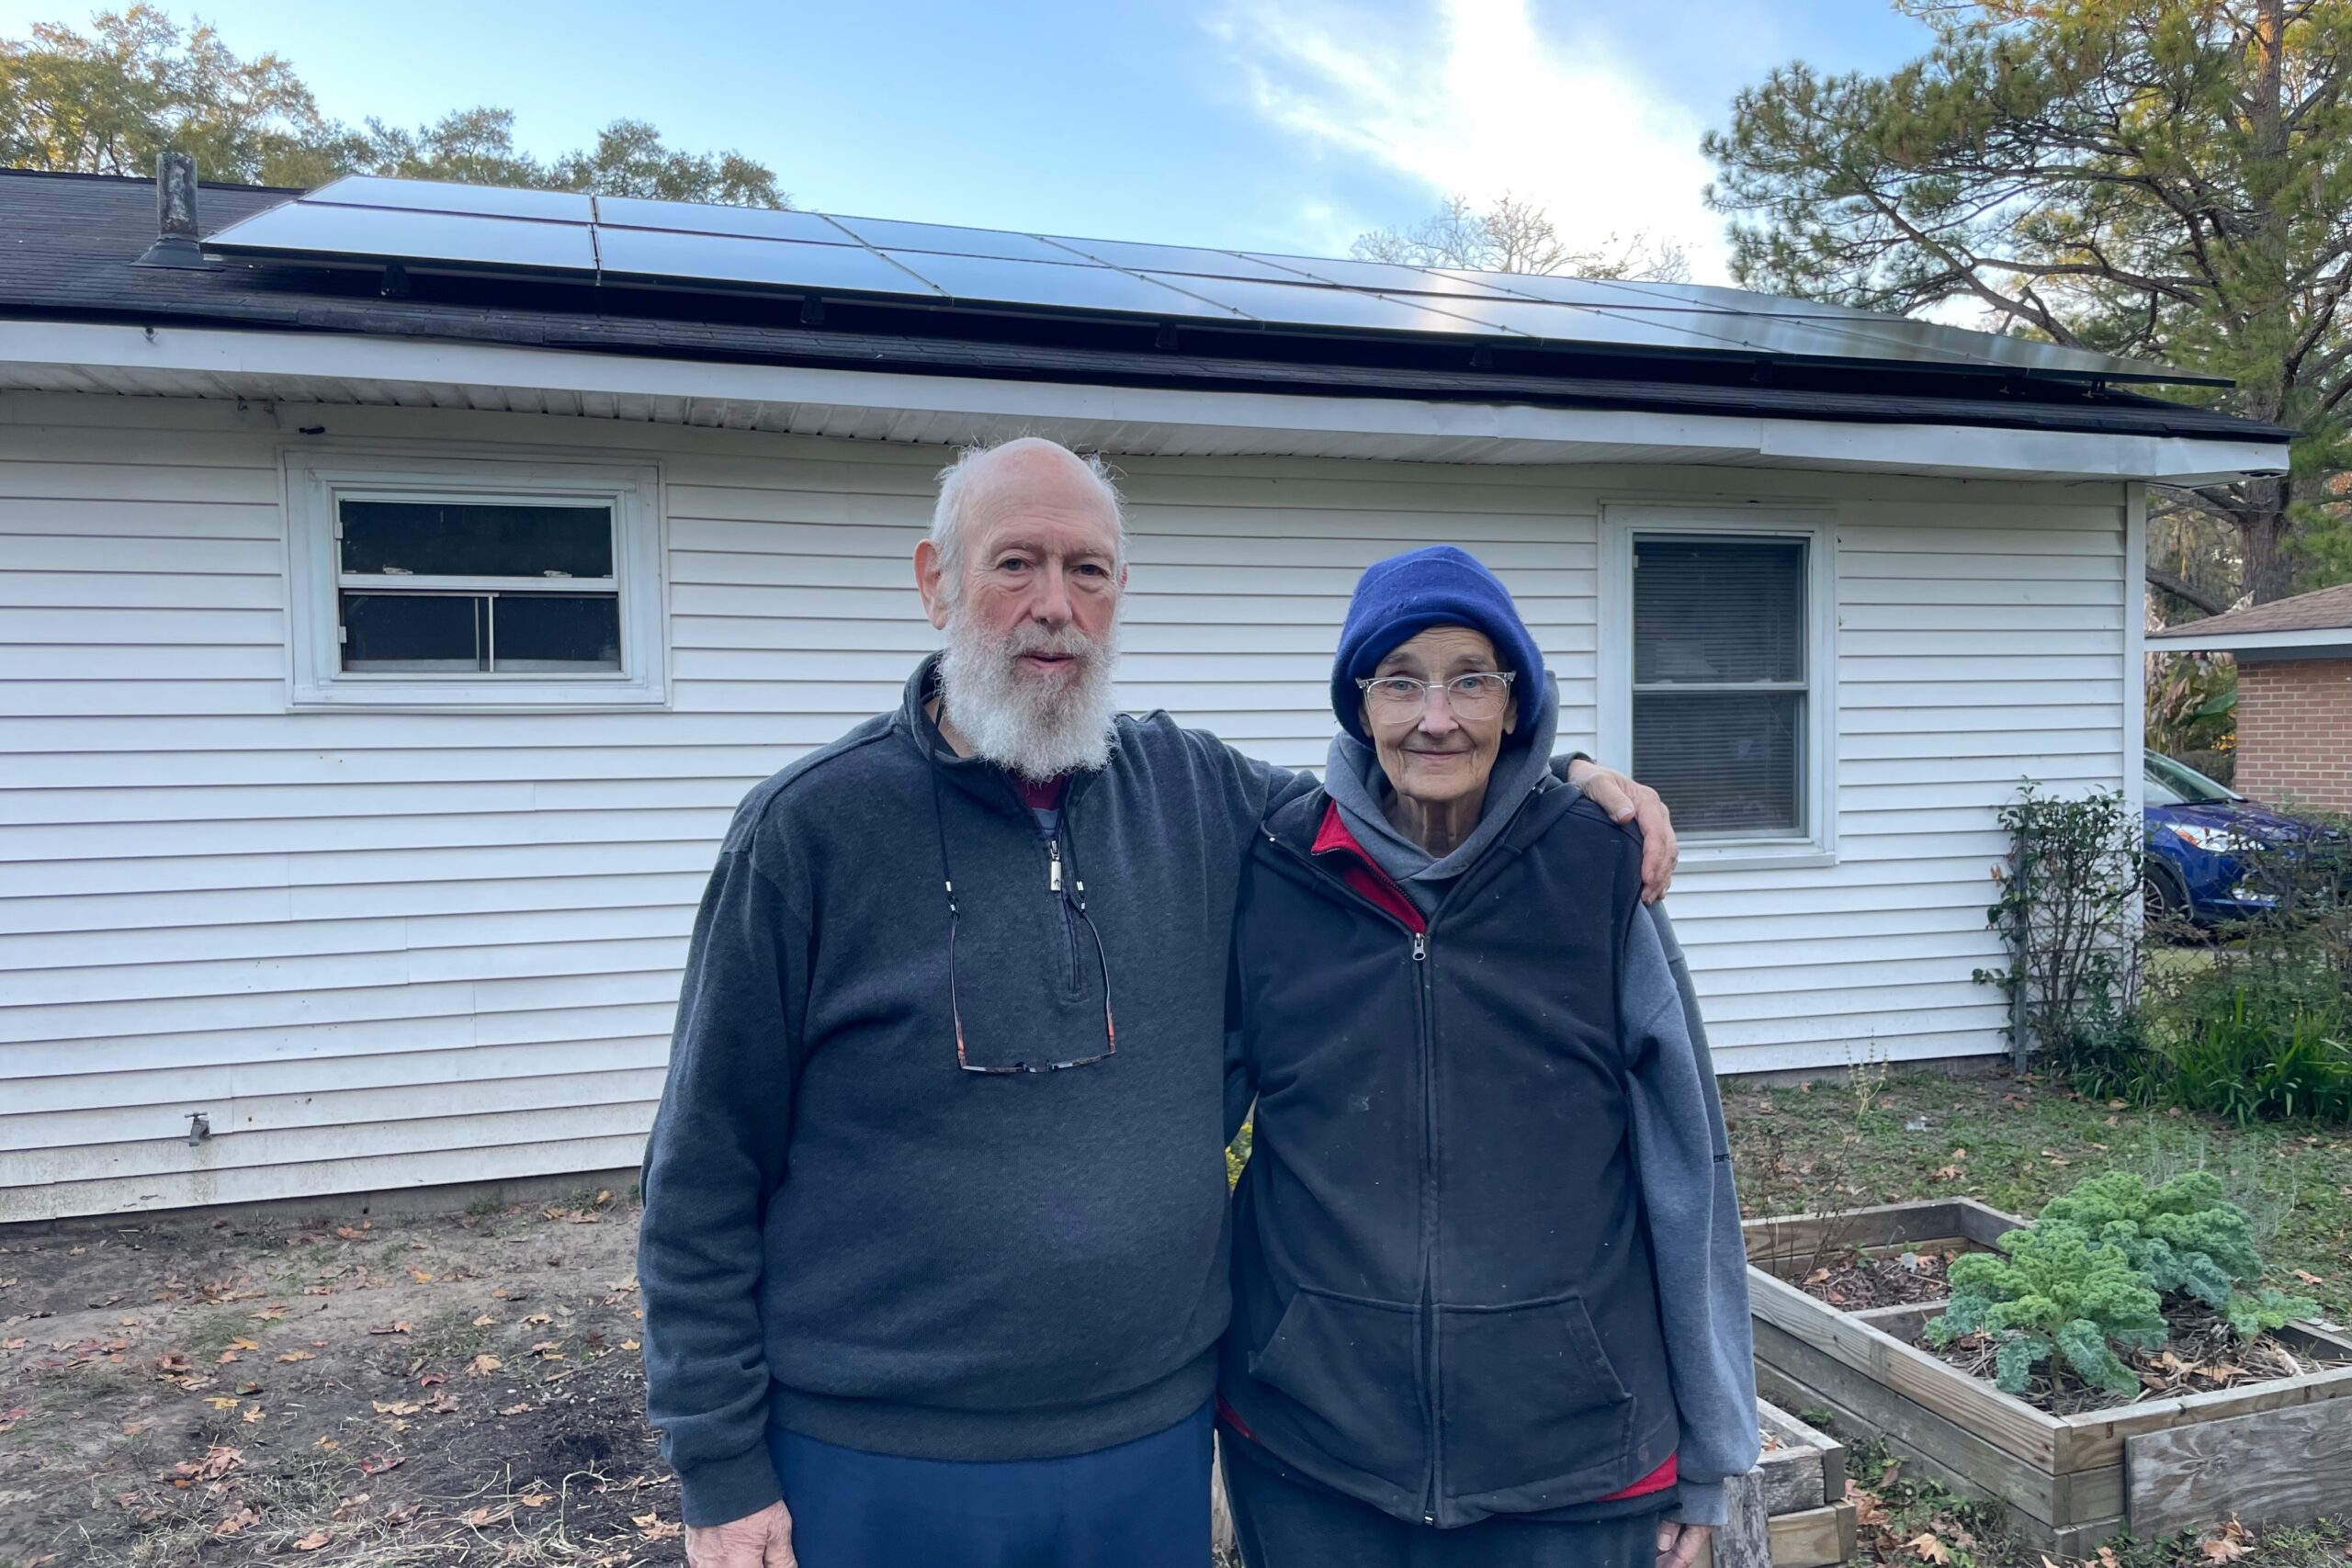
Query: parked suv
{"x": 2199, "y": 836}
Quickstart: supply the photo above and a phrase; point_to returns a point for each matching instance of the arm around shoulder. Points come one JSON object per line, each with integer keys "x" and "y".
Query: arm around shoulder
{"x": 1683, "y": 1164}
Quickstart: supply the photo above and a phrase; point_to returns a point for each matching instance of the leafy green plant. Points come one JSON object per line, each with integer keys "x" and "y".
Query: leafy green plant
{"x": 2183, "y": 1236}
{"x": 2092, "y": 1270}
{"x": 2052, "y": 1289}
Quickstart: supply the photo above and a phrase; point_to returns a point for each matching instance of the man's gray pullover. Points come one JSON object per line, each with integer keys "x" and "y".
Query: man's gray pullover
{"x": 848, "y": 1235}
{"x": 1682, "y": 1157}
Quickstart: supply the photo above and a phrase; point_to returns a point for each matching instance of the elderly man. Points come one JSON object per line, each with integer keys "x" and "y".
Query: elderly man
{"x": 934, "y": 1252}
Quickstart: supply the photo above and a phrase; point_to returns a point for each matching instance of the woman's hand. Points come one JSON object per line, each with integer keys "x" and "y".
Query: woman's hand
{"x": 1679, "y": 1544}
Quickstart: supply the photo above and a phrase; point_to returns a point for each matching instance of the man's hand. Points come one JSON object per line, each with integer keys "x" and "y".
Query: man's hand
{"x": 756, "y": 1541}
{"x": 1626, "y": 801}
{"x": 1679, "y": 1544}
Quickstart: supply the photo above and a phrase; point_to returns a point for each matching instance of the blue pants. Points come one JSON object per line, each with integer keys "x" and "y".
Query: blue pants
{"x": 1142, "y": 1504}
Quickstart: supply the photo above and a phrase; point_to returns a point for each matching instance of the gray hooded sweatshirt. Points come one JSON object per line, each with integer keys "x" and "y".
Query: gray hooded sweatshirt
{"x": 1682, "y": 1158}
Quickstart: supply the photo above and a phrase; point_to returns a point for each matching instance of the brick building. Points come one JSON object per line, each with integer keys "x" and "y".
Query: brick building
{"x": 2294, "y": 660}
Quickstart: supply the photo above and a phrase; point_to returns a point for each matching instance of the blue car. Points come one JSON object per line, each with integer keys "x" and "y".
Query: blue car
{"x": 2198, "y": 834}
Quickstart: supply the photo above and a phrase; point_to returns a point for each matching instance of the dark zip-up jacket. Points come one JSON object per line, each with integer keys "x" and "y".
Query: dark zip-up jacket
{"x": 847, "y": 1235}
{"x": 1444, "y": 1301}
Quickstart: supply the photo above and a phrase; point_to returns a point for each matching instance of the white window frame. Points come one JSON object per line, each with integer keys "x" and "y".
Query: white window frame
{"x": 1815, "y": 844}
{"x": 315, "y": 482}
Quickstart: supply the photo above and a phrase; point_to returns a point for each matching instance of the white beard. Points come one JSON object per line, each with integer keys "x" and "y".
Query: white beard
{"x": 1036, "y": 727}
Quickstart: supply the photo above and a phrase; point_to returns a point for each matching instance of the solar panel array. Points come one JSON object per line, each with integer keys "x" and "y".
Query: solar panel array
{"x": 426, "y": 227}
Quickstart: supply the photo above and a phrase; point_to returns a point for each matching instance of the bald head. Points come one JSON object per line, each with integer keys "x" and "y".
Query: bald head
{"x": 988, "y": 486}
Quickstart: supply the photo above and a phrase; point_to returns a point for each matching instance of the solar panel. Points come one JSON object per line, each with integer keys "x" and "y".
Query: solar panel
{"x": 939, "y": 239}
{"x": 367, "y": 220}
{"x": 1189, "y": 261}
{"x": 654, "y": 255}
{"x": 698, "y": 218}
{"x": 434, "y": 196}
{"x": 424, "y": 242}
{"x": 1059, "y": 287}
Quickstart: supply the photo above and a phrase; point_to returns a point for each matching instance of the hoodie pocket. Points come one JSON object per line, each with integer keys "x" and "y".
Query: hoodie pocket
{"x": 1527, "y": 1396}
{"x": 1350, "y": 1369}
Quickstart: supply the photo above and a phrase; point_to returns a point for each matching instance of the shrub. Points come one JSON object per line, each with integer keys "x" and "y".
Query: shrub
{"x": 2252, "y": 1053}
{"x": 2052, "y": 1290}
{"x": 2067, "y": 913}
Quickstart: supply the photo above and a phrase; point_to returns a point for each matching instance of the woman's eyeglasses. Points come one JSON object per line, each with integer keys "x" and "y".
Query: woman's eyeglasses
{"x": 1395, "y": 698}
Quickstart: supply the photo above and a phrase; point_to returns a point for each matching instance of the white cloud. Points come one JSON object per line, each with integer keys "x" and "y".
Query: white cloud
{"x": 1475, "y": 98}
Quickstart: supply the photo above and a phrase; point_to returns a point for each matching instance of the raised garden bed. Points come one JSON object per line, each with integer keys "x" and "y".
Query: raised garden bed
{"x": 1802, "y": 1478}
{"x": 2274, "y": 1452}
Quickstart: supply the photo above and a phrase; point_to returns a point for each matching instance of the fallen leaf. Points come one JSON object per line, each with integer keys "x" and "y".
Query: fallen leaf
{"x": 269, "y": 1315}
{"x": 2107, "y": 1558}
{"x": 241, "y": 1344}
{"x": 486, "y": 1320}
{"x": 1886, "y": 1476}
{"x": 1948, "y": 1173}
{"x": 290, "y": 1356}
{"x": 2222, "y": 1549}
{"x": 314, "y": 1540}
{"x": 352, "y": 1233}
{"x": 478, "y": 1518}
{"x": 375, "y": 1464}
{"x": 536, "y": 1319}
{"x": 517, "y": 1410}
{"x": 481, "y": 1366}
{"x": 222, "y": 1401}
{"x": 12, "y": 1344}
{"x": 534, "y": 1499}
{"x": 255, "y": 1416}
{"x": 422, "y": 1276}
{"x": 396, "y": 1406}
{"x": 398, "y": 1326}
{"x": 1818, "y": 1276}
{"x": 1868, "y": 1510}
{"x": 326, "y": 1445}
{"x": 405, "y": 1514}
{"x": 628, "y": 1344}
{"x": 2305, "y": 1275}
{"x": 226, "y": 1356}
{"x": 1927, "y": 1548}
{"x": 243, "y": 1519}
{"x": 350, "y": 1506}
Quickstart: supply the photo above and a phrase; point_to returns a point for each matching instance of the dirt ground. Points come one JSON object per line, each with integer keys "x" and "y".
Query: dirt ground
{"x": 448, "y": 1390}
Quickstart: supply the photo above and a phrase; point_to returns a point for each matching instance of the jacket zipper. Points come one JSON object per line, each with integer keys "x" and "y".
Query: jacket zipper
{"x": 1420, "y": 960}
{"x": 1422, "y": 973}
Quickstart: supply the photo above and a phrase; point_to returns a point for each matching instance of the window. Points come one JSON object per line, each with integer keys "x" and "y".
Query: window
{"x": 1716, "y": 694}
{"x": 470, "y": 584}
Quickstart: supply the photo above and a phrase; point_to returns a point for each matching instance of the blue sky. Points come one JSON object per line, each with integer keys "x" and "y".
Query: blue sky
{"x": 1280, "y": 124}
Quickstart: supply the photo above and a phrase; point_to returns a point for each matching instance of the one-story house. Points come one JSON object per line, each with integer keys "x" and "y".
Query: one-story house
{"x": 402, "y": 584}
{"x": 2294, "y": 710}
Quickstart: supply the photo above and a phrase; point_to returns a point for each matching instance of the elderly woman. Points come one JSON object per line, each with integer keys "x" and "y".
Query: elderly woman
{"x": 1489, "y": 1294}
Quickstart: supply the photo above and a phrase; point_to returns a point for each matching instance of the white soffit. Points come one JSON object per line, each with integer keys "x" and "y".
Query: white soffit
{"x": 938, "y": 410}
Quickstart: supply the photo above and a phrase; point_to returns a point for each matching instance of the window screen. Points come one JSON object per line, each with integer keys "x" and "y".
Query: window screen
{"x": 476, "y": 588}
{"x": 1720, "y": 681}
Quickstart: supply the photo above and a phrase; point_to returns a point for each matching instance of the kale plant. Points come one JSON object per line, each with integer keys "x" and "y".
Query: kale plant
{"x": 2184, "y": 1236}
{"x": 2052, "y": 1288}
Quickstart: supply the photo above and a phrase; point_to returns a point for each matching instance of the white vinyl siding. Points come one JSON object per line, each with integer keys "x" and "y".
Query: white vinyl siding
{"x": 384, "y": 949}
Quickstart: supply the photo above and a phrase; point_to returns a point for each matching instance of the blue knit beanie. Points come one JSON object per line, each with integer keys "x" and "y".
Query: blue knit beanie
{"x": 1405, "y": 595}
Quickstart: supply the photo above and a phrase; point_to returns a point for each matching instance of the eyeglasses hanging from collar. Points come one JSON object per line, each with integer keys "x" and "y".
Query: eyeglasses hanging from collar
{"x": 1072, "y": 892}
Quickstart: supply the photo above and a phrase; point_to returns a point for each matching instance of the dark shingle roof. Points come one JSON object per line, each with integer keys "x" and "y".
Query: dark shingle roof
{"x": 67, "y": 248}
{"x": 2322, "y": 610}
